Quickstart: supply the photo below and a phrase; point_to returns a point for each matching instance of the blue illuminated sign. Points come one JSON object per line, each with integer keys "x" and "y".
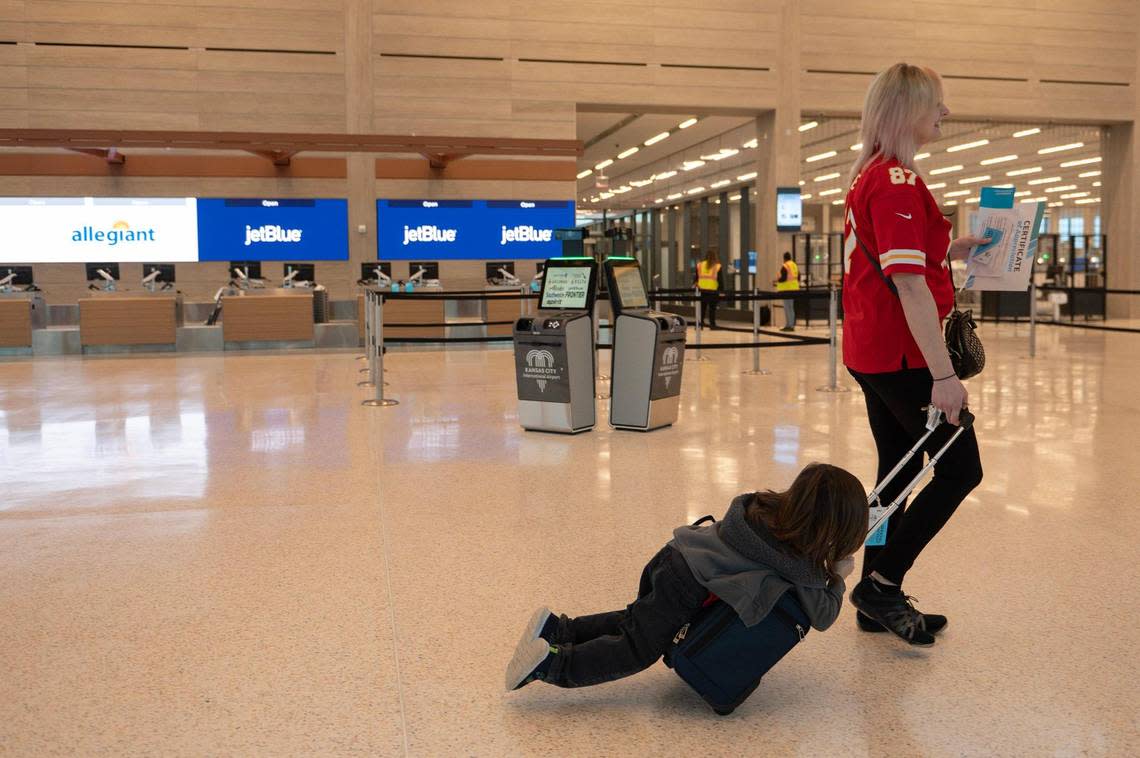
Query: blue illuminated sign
{"x": 254, "y": 229}
{"x": 470, "y": 229}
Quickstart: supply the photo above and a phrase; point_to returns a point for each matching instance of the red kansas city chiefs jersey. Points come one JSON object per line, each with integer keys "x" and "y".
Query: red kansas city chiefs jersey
{"x": 898, "y": 221}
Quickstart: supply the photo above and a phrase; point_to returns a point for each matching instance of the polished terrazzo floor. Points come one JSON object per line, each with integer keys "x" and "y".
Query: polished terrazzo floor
{"x": 228, "y": 555}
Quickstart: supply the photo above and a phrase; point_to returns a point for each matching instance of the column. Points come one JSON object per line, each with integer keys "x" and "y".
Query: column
{"x": 1120, "y": 220}
{"x": 686, "y": 243}
{"x": 747, "y": 280}
{"x": 359, "y": 109}
{"x": 778, "y": 157}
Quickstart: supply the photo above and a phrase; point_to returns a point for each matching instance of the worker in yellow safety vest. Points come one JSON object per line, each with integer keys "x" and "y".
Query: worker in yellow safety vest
{"x": 708, "y": 283}
{"x": 789, "y": 281}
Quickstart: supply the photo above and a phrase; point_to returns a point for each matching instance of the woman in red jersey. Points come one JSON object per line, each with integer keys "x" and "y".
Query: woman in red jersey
{"x": 897, "y": 290}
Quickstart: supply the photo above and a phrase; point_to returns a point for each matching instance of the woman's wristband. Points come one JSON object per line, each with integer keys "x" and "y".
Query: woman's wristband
{"x": 948, "y": 376}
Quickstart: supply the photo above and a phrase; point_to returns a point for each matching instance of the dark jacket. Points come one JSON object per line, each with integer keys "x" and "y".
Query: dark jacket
{"x": 750, "y": 569}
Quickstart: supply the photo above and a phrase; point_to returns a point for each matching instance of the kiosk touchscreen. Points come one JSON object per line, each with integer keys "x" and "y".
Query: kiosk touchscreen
{"x": 648, "y": 353}
{"x": 554, "y": 351}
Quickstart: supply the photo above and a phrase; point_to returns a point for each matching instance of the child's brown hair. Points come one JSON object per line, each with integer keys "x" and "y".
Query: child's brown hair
{"x": 822, "y": 516}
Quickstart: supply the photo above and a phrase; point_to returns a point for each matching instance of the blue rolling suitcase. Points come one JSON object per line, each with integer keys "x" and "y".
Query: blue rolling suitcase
{"x": 723, "y": 660}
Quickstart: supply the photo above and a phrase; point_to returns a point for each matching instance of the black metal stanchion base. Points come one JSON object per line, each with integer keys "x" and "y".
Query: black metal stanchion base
{"x": 833, "y": 388}
{"x": 757, "y": 372}
{"x": 380, "y": 402}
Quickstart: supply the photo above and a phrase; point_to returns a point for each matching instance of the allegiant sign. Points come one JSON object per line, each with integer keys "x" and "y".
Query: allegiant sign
{"x": 78, "y": 229}
{"x": 295, "y": 229}
{"x": 470, "y": 229}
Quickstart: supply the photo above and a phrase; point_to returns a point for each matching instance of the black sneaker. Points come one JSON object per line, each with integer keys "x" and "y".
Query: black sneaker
{"x": 891, "y": 608}
{"x": 934, "y": 622}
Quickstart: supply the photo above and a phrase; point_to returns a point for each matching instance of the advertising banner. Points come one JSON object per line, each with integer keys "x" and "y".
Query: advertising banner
{"x": 470, "y": 229}
{"x": 81, "y": 229}
{"x": 256, "y": 229}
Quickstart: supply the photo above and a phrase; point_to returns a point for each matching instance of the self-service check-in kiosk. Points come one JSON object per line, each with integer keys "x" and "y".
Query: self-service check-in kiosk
{"x": 648, "y": 353}
{"x": 554, "y": 351}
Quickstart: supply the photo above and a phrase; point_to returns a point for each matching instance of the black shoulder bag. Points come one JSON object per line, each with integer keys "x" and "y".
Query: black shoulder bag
{"x": 967, "y": 355}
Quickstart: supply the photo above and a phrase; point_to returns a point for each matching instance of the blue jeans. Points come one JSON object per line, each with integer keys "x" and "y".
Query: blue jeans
{"x": 607, "y": 646}
{"x": 790, "y": 314}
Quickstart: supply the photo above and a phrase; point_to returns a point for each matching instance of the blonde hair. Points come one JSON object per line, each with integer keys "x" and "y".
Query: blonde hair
{"x": 895, "y": 101}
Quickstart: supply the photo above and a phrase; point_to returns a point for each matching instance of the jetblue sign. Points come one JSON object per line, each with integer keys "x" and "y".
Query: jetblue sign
{"x": 234, "y": 229}
{"x": 470, "y": 229}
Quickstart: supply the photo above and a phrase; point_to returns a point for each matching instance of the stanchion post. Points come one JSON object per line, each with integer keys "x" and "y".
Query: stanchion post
{"x": 833, "y": 342}
{"x": 369, "y": 340}
{"x": 696, "y": 355}
{"x": 598, "y": 375}
{"x": 1032, "y": 319}
{"x": 378, "y": 349}
{"x": 756, "y": 370}
{"x": 367, "y": 331}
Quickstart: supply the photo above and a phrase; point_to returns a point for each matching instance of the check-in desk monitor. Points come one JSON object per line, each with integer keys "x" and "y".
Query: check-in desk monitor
{"x": 306, "y": 272}
{"x": 648, "y": 353}
{"x": 93, "y": 269}
{"x": 251, "y": 269}
{"x": 21, "y": 275}
{"x": 165, "y": 272}
{"x": 554, "y": 351}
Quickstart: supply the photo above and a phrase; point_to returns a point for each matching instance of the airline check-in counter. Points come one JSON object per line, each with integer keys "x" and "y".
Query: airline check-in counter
{"x": 262, "y": 317}
{"x": 133, "y": 320}
{"x": 21, "y": 313}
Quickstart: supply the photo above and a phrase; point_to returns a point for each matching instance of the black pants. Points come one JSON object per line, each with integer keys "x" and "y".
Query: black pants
{"x": 895, "y": 404}
{"x": 708, "y": 306}
{"x": 607, "y": 646}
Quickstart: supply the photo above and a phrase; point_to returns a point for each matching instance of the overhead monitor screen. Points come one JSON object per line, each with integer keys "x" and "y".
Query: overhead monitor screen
{"x": 470, "y": 229}
{"x": 630, "y": 289}
{"x": 273, "y": 229}
{"x": 789, "y": 209}
{"x": 565, "y": 288}
{"x": 80, "y": 229}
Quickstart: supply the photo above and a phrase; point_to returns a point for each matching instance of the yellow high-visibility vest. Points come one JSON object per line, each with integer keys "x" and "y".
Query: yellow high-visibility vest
{"x": 793, "y": 280}
{"x": 706, "y": 275}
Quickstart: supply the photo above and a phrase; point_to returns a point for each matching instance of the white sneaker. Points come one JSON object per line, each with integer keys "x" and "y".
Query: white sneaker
{"x": 534, "y": 626}
{"x": 528, "y": 655}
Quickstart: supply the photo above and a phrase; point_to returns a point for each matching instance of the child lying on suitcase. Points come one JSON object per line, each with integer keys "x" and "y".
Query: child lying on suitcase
{"x": 800, "y": 540}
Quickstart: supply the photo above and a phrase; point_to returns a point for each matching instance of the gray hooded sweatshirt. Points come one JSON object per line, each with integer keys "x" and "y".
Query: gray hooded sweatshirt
{"x": 750, "y": 569}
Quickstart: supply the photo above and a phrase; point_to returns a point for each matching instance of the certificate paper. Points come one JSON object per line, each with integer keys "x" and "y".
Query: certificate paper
{"x": 1006, "y": 261}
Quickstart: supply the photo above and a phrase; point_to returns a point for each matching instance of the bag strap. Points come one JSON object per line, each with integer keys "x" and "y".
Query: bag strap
{"x": 891, "y": 285}
{"x": 703, "y": 519}
{"x": 874, "y": 263}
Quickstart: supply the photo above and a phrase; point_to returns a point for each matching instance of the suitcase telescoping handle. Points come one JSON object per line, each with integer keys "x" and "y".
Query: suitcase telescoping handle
{"x": 933, "y": 421}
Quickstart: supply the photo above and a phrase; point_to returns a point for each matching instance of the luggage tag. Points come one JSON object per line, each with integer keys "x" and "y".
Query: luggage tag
{"x": 877, "y": 538}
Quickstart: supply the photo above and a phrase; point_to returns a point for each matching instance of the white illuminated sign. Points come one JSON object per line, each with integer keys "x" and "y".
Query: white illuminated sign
{"x": 84, "y": 229}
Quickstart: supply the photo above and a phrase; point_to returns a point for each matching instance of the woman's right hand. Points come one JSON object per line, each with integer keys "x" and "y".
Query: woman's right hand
{"x": 949, "y": 396}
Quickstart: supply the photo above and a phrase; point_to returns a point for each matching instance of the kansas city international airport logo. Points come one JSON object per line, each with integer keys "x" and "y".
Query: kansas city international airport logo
{"x": 120, "y": 231}
{"x": 670, "y": 364}
{"x": 540, "y": 367}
